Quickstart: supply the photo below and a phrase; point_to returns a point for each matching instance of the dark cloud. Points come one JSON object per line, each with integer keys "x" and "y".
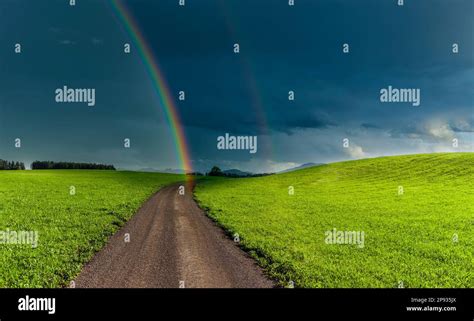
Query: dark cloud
{"x": 369, "y": 126}
{"x": 282, "y": 49}
{"x": 434, "y": 129}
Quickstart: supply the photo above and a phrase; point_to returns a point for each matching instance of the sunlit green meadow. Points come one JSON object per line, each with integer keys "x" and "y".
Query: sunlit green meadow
{"x": 71, "y": 228}
{"x": 416, "y": 212}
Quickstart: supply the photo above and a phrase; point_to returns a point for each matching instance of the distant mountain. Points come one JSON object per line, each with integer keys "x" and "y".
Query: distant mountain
{"x": 307, "y": 165}
{"x": 148, "y": 169}
{"x": 236, "y": 172}
{"x": 174, "y": 171}
{"x": 166, "y": 171}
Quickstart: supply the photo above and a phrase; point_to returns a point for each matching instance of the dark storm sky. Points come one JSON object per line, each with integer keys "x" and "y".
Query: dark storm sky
{"x": 282, "y": 48}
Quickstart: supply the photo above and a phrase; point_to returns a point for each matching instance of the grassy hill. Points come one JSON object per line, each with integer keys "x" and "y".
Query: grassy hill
{"x": 418, "y": 235}
{"x": 70, "y": 227}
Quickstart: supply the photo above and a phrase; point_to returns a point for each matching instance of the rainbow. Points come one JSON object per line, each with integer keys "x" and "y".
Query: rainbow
{"x": 158, "y": 80}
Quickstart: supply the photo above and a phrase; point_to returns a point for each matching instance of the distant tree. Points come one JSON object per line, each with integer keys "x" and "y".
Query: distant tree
{"x": 11, "y": 165}
{"x": 69, "y": 165}
{"x": 215, "y": 171}
{"x": 194, "y": 174}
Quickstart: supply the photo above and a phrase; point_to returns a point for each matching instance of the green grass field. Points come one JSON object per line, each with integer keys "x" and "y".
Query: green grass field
{"x": 422, "y": 238}
{"x": 70, "y": 227}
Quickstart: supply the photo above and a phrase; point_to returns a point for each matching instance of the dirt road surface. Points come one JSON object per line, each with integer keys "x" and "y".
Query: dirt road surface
{"x": 172, "y": 244}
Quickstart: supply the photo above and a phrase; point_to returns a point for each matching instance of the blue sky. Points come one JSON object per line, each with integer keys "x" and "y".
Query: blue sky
{"x": 282, "y": 48}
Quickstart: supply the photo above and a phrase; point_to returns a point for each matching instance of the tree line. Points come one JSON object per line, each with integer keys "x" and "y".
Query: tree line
{"x": 11, "y": 165}
{"x": 69, "y": 165}
{"x": 216, "y": 171}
